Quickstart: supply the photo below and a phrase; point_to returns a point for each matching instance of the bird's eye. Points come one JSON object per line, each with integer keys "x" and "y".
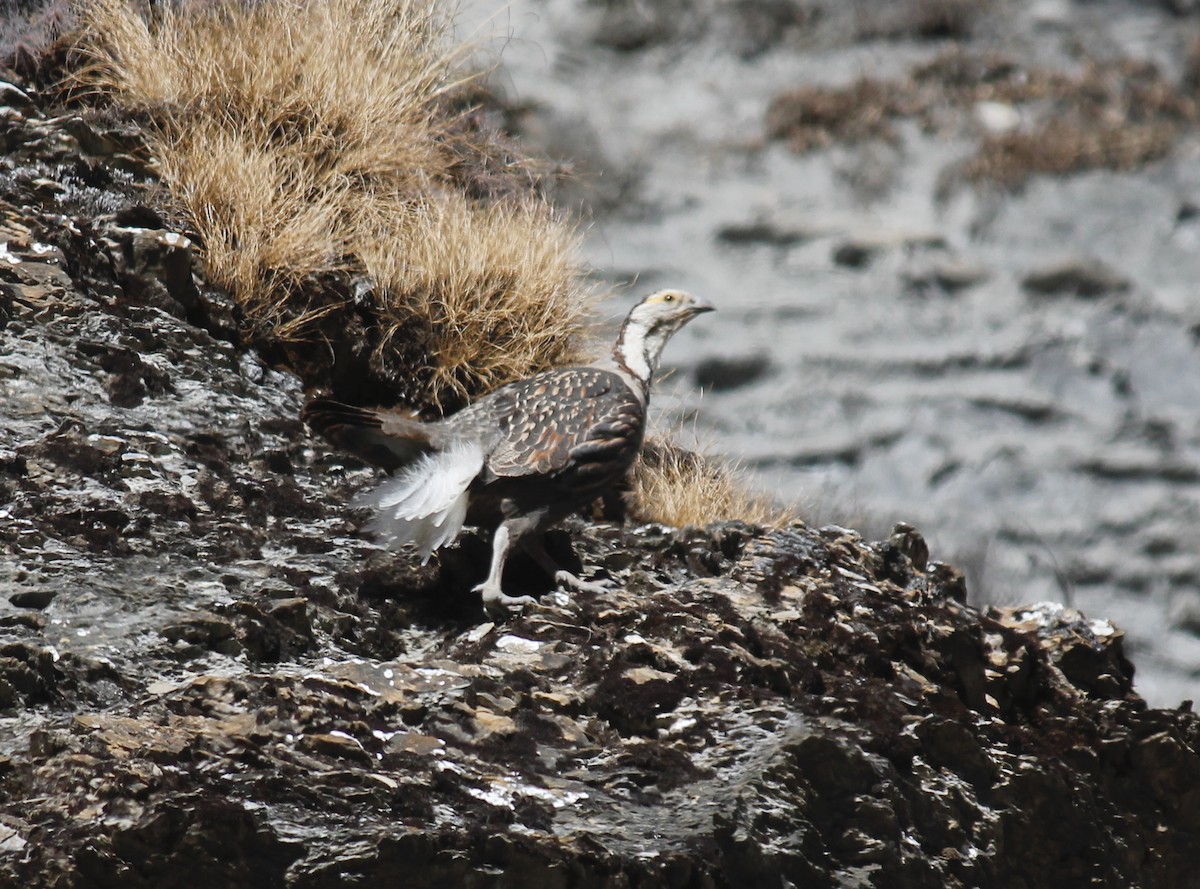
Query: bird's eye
{"x": 668, "y": 297}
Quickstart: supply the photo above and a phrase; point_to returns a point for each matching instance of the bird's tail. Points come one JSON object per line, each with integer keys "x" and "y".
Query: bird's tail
{"x": 425, "y": 504}
{"x": 390, "y": 439}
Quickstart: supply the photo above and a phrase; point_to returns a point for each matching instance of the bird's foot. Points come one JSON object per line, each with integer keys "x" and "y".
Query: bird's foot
{"x": 495, "y": 599}
{"x": 578, "y": 584}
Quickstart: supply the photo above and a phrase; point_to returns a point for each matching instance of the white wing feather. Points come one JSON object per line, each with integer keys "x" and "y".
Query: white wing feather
{"x": 426, "y": 503}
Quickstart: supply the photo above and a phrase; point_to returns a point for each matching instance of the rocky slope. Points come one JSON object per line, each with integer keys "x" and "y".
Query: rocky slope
{"x": 207, "y": 677}
{"x": 1014, "y": 370}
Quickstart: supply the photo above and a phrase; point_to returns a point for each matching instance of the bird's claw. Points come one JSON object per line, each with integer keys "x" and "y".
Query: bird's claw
{"x": 497, "y": 600}
{"x": 578, "y": 584}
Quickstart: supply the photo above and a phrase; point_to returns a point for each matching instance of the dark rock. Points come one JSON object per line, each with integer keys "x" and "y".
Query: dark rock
{"x": 763, "y": 232}
{"x": 196, "y": 840}
{"x": 38, "y": 599}
{"x": 206, "y": 632}
{"x": 720, "y": 374}
{"x": 628, "y": 25}
{"x": 28, "y": 675}
{"x": 158, "y": 260}
{"x": 11, "y": 462}
{"x": 1084, "y": 277}
{"x": 854, "y": 254}
{"x": 1181, "y": 7}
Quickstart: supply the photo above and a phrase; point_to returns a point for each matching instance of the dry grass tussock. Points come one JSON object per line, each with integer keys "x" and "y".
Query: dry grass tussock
{"x": 678, "y": 487}
{"x": 305, "y": 137}
{"x": 490, "y": 286}
{"x": 1118, "y": 115}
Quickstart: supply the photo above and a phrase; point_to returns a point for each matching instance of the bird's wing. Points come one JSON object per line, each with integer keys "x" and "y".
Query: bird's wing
{"x": 579, "y": 419}
{"x": 384, "y": 438}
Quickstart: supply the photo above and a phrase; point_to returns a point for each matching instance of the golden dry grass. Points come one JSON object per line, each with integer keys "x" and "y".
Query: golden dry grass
{"x": 304, "y": 137}
{"x": 678, "y": 487}
{"x": 492, "y": 282}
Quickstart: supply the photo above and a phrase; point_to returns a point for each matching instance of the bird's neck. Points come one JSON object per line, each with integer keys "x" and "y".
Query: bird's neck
{"x": 638, "y": 349}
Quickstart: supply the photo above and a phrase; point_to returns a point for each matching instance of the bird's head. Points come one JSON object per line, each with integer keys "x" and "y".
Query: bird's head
{"x": 650, "y": 325}
{"x": 665, "y": 311}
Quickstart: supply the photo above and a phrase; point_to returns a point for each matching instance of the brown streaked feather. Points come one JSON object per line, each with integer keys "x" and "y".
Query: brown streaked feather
{"x": 383, "y": 438}
{"x": 553, "y": 414}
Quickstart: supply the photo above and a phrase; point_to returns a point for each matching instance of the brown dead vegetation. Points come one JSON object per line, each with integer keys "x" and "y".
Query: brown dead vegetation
{"x": 817, "y": 116}
{"x": 679, "y": 487}
{"x": 330, "y": 137}
{"x": 1114, "y": 117}
{"x": 1119, "y": 115}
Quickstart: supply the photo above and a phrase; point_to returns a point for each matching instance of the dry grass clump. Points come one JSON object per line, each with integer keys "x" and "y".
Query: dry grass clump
{"x": 1061, "y": 147}
{"x": 322, "y": 136}
{"x": 962, "y": 78}
{"x": 487, "y": 286}
{"x": 1117, "y": 116}
{"x": 813, "y": 117}
{"x": 678, "y": 487}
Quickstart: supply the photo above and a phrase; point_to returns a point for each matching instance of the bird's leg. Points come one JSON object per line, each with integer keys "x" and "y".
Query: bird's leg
{"x": 536, "y": 547}
{"x": 493, "y": 596}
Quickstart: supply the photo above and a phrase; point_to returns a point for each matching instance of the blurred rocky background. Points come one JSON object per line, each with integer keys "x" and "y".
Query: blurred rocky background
{"x": 954, "y": 245}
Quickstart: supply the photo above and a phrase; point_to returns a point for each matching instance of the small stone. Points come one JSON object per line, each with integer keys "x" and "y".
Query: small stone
{"x": 337, "y": 744}
{"x": 13, "y": 96}
{"x": 509, "y": 642}
{"x": 997, "y": 117}
{"x": 489, "y": 725}
{"x": 480, "y": 631}
{"x": 35, "y": 599}
{"x": 1081, "y": 277}
{"x": 854, "y": 254}
{"x": 10, "y": 841}
{"x": 642, "y": 675}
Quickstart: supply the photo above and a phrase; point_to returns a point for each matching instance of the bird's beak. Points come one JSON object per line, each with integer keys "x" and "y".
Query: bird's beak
{"x": 701, "y": 305}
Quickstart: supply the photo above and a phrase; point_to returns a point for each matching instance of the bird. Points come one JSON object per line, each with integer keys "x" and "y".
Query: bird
{"x": 519, "y": 459}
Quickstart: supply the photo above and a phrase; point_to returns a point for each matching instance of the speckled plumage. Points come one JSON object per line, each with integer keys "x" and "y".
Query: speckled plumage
{"x": 518, "y": 459}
